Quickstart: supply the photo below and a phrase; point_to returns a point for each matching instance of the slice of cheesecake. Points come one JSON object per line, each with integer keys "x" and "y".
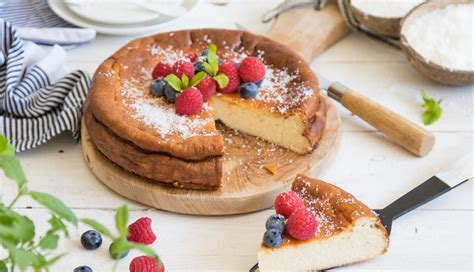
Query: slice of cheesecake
{"x": 348, "y": 232}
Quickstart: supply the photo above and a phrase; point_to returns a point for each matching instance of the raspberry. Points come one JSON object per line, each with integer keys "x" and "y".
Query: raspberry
{"x": 229, "y": 69}
{"x": 140, "y": 231}
{"x": 207, "y": 86}
{"x": 189, "y": 101}
{"x": 288, "y": 202}
{"x": 301, "y": 224}
{"x": 193, "y": 57}
{"x": 161, "y": 70}
{"x": 183, "y": 67}
{"x": 145, "y": 264}
{"x": 251, "y": 69}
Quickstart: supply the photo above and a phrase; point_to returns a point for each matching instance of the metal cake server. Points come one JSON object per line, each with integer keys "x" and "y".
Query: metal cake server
{"x": 442, "y": 182}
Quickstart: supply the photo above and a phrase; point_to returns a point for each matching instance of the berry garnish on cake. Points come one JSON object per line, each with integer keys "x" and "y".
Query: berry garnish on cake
{"x": 323, "y": 227}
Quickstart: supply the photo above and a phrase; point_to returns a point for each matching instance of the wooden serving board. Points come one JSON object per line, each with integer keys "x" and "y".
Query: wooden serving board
{"x": 247, "y": 183}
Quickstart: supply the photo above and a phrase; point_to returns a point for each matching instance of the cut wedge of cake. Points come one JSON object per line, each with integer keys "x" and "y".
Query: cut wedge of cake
{"x": 347, "y": 232}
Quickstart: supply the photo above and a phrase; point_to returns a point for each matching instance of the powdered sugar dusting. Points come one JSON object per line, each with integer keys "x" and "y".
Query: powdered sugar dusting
{"x": 160, "y": 115}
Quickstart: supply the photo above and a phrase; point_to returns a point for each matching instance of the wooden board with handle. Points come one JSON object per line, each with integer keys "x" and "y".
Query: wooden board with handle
{"x": 309, "y": 31}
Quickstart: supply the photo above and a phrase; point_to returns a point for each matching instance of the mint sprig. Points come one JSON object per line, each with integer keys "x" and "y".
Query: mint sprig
{"x": 211, "y": 66}
{"x": 18, "y": 232}
{"x": 180, "y": 84}
{"x": 432, "y": 109}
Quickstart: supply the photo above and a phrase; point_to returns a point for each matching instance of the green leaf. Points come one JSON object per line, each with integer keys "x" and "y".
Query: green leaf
{"x": 184, "y": 81}
{"x": 197, "y": 78}
{"x": 222, "y": 80}
{"x": 98, "y": 227}
{"x": 57, "y": 224}
{"x": 119, "y": 246}
{"x": 22, "y": 258}
{"x": 53, "y": 260}
{"x": 212, "y": 59}
{"x": 174, "y": 81}
{"x": 55, "y": 205}
{"x": 121, "y": 218}
{"x": 50, "y": 241}
{"x": 208, "y": 69}
{"x": 15, "y": 227}
{"x": 6, "y": 150}
{"x": 3, "y": 267}
{"x": 12, "y": 169}
{"x": 432, "y": 109}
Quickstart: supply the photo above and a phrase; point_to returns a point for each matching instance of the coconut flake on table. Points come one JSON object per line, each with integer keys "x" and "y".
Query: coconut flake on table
{"x": 444, "y": 36}
{"x": 386, "y": 8}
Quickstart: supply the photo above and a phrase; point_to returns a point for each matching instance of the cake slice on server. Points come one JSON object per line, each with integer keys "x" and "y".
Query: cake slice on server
{"x": 318, "y": 226}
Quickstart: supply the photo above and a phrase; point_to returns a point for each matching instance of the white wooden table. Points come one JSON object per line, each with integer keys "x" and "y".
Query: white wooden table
{"x": 438, "y": 235}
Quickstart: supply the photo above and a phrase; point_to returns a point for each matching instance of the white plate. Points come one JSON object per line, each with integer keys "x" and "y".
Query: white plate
{"x": 61, "y": 9}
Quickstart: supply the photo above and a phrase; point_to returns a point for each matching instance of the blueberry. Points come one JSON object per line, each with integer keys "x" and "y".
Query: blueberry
{"x": 91, "y": 240}
{"x": 157, "y": 87}
{"x": 83, "y": 268}
{"x": 198, "y": 66}
{"x": 259, "y": 83}
{"x": 205, "y": 53}
{"x": 170, "y": 94}
{"x": 276, "y": 221}
{"x": 272, "y": 238}
{"x": 248, "y": 90}
{"x": 115, "y": 255}
{"x": 237, "y": 64}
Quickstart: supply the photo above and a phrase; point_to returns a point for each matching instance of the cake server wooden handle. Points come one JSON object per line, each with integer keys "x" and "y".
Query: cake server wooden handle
{"x": 402, "y": 131}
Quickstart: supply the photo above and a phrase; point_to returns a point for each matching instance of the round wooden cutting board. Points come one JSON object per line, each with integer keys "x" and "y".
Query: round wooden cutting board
{"x": 248, "y": 182}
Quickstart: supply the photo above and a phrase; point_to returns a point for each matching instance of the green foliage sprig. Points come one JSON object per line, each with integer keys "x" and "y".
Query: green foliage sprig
{"x": 432, "y": 109}
{"x": 18, "y": 232}
{"x": 211, "y": 66}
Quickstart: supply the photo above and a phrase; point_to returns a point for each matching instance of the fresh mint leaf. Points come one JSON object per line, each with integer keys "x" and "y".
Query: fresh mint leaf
{"x": 212, "y": 59}
{"x": 6, "y": 150}
{"x": 174, "y": 81}
{"x": 50, "y": 241}
{"x": 184, "y": 81}
{"x": 197, "y": 78}
{"x": 3, "y": 267}
{"x": 119, "y": 246}
{"x": 15, "y": 227}
{"x": 222, "y": 80}
{"x": 22, "y": 258}
{"x": 55, "y": 205}
{"x": 57, "y": 224}
{"x": 147, "y": 250}
{"x": 208, "y": 69}
{"x": 12, "y": 169}
{"x": 121, "y": 219}
{"x": 432, "y": 109}
{"x": 98, "y": 227}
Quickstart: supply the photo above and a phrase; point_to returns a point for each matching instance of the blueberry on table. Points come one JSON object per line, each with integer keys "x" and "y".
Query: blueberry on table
{"x": 272, "y": 238}
{"x": 157, "y": 87}
{"x": 276, "y": 221}
{"x": 91, "y": 240}
{"x": 248, "y": 90}
{"x": 83, "y": 268}
{"x": 170, "y": 94}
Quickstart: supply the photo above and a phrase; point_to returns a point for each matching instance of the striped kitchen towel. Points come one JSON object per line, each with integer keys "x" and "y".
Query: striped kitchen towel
{"x": 38, "y": 98}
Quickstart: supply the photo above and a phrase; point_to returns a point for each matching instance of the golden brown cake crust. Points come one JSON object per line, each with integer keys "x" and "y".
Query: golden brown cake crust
{"x": 336, "y": 210}
{"x": 204, "y": 174}
{"x": 126, "y": 67}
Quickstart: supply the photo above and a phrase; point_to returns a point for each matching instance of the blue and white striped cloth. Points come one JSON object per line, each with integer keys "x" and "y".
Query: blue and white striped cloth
{"x": 38, "y": 98}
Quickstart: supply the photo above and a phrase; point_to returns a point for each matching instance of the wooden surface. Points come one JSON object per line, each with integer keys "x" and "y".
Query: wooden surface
{"x": 397, "y": 128}
{"x": 435, "y": 237}
{"x": 247, "y": 183}
{"x": 308, "y": 31}
{"x": 433, "y": 71}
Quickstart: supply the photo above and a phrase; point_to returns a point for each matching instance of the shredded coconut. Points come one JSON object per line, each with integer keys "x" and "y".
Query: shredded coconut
{"x": 445, "y": 36}
{"x": 386, "y": 8}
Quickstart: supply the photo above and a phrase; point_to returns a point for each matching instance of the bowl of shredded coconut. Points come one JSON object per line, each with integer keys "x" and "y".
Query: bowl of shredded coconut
{"x": 382, "y": 17}
{"x": 438, "y": 39}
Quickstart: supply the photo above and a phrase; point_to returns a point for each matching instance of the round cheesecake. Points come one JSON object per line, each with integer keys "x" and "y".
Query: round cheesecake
{"x": 144, "y": 134}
